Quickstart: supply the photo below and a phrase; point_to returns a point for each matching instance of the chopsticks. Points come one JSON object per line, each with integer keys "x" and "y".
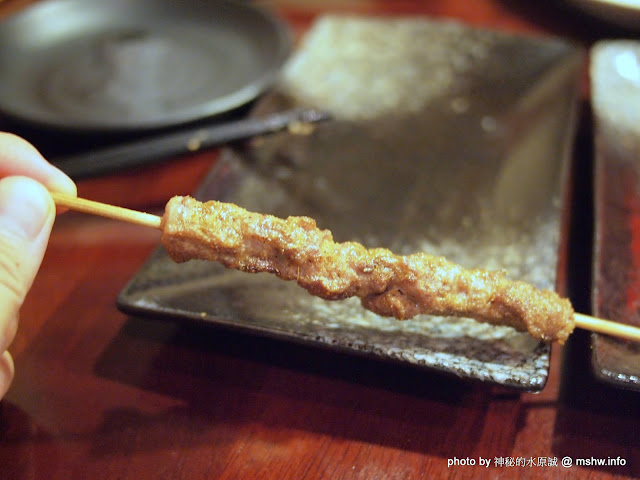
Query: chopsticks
{"x": 586, "y": 322}
{"x": 136, "y": 153}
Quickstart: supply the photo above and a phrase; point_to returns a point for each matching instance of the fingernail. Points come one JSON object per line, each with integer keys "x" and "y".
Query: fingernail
{"x": 24, "y": 206}
{"x": 7, "y": 371}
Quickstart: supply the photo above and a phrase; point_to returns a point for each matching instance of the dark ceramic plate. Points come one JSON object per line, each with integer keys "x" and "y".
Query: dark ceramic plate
{"x": 472, "y": 167}
{"x": 123, "y": 65}
{"x": 615, "y": 74}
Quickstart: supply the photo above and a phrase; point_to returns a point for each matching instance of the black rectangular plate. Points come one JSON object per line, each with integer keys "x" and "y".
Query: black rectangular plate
{"x": 475, "y": 170}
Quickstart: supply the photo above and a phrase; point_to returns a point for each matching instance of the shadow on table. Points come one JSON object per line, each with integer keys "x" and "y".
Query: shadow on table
{"x": 231, "y": 384}
{"x": 596, "y": 421}
{"x": 232, "y": 389}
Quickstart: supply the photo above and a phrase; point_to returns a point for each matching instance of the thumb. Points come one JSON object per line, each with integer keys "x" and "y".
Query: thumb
{"x": 27, "y": 213}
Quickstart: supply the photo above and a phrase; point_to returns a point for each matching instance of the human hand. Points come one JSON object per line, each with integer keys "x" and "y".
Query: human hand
{"x": 27, "y": 213}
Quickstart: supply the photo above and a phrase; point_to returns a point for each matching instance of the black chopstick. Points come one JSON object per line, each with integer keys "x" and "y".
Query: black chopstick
{"x": 153, "y": 149}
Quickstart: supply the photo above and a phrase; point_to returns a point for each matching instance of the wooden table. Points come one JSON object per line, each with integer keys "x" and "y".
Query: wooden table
{"x": 102, "y": 395}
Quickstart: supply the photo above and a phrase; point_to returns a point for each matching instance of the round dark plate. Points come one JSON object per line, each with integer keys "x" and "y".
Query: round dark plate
{"x": 135, "y": 64}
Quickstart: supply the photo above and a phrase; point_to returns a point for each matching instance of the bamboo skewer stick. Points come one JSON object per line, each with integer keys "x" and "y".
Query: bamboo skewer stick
{"x": 105, "y": 210}
{"x": 607, "y": 327}
{"x": 583, "y": 321}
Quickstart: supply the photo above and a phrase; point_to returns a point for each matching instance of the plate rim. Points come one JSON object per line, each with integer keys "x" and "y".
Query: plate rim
{"x": 216, "y": 106}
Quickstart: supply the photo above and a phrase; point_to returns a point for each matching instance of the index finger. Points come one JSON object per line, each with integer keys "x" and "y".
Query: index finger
{"x": 19, "y": 157}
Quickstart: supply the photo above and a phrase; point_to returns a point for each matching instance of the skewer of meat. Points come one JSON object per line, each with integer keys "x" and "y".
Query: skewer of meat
{"x": 387, "y": 284}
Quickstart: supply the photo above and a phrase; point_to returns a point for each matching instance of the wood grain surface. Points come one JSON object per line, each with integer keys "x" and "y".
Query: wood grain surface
{"x": 98, "y": 394}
